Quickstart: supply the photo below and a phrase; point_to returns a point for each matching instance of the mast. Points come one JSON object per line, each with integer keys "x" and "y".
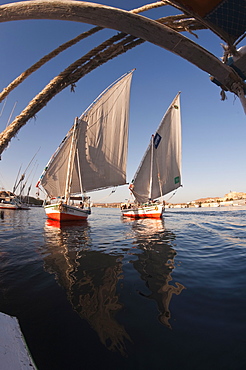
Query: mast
{"x": 23, "y": 175}
{"x": 15, "y": 186}
{"x": 151, "y": 167}
{"x": 159, "y": 180}
{"x": 80, "y": 178}
{"x": 70, "y": 163}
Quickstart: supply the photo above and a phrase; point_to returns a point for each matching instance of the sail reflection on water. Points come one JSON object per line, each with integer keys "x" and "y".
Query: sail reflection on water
{"x": 96, "y": 279}
{"x": 156, "y": 263}
{"x": 89, "y": 277}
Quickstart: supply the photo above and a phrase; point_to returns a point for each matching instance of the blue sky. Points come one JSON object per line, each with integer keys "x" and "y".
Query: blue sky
{"x": 213, "y": 131}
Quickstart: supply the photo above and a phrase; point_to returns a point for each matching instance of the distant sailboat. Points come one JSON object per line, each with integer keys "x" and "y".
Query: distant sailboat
{"x": 9, "y": 200}
{"x": 92, "y": 156}
{"x": 160, "y": 170}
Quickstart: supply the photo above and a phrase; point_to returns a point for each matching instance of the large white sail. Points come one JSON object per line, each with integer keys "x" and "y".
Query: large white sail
{"x": 100, "y": 151}
{"x": 160, "y": 170}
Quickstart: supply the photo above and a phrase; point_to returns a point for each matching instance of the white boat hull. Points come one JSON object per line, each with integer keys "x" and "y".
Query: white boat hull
{"x": 148, "y": 211}
{"x": 13, "y": 205}
{"x": 64, "y": 212}
{"x": 8, "y": 206}
{"x": 14, "y": 352}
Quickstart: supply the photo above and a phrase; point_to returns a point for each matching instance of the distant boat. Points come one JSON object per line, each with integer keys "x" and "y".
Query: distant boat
{"x": 160, "y": 170}
{"x": 12, "y": 204}
{"x": 9, "y": 200}
{"x": 91, "y": 157}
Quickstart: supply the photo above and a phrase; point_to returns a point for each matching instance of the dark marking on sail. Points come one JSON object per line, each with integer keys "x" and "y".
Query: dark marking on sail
{"x": 176, "y": 180}
{"x": 157, "y": 140}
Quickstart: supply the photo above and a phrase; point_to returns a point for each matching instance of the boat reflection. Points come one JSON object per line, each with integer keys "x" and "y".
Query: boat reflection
{"x": 156, "y": 263}
{"x": 94, "y": 280}
{"x": 55, "y": 224}
{"x": 89, "y": 277}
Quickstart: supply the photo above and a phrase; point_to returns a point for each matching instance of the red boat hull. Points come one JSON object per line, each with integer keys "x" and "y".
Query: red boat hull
{"x": 149, "y": 211}
{"x": 63, "y": 212}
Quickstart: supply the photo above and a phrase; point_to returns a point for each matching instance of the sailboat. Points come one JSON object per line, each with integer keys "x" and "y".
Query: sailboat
{"x": 91, "y": 157}
{"x": 9, "y": 200}
{"x": 160, "y": 169}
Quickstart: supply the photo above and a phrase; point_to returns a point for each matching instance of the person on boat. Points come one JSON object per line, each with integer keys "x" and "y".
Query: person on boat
{"x": 81, "y": 205}
{"x": 60, "y": 206}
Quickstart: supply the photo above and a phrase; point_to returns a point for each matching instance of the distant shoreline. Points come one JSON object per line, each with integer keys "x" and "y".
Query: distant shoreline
{"x": 236, "y": 202}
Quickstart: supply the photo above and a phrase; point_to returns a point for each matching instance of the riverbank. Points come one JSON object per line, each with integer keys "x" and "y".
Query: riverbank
{"x": 238, "y": 202}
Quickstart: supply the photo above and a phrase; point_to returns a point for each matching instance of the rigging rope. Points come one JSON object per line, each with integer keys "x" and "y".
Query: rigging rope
{"x": 172, "y": 195}
{"x": 112, "y": 191}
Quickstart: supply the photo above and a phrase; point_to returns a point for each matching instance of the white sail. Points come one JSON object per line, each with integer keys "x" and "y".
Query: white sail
{"x": 160, "y": 170}
{"x": 100, "y": 147}
{"x": 53, "y": 179}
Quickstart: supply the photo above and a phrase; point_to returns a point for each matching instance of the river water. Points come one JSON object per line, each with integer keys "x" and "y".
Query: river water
{"x": 120, "y": 294}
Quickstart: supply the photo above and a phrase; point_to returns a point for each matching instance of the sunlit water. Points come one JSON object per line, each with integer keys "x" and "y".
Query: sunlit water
{"x": 113, "y": 293}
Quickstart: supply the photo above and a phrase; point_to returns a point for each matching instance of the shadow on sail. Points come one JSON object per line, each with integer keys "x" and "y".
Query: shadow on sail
{"x": 89, "y": 277}
{"x": 156, "y": 263}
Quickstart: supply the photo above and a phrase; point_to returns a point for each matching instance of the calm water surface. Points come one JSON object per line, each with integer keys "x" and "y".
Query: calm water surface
{"x": 112, "y": 293}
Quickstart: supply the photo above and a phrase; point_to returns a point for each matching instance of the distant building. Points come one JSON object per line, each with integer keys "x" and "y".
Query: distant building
{"x": 213, "y": 202}
{"x": 202, "y": 202}
{"x": 234, "y": 195}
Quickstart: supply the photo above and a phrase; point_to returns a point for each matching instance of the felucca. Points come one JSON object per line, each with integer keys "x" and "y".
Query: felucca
{"x": 92, "y": 156}
{"x": 160, "y": 169}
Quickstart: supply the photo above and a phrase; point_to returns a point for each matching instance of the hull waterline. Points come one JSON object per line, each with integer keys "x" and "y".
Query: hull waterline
{"x": 8, "y": 206}
{"x": 14, "y": 206}
{"x": 152, "y": 211}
